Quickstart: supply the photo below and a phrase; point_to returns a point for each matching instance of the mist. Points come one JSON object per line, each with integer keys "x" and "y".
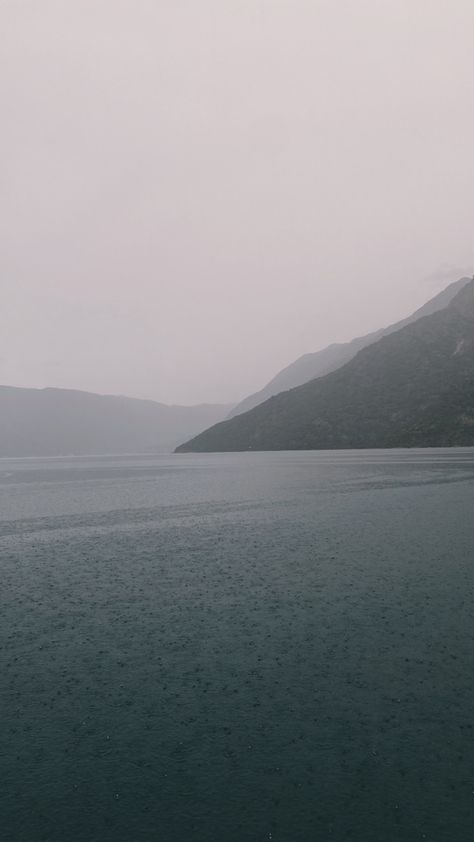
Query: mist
{"x": 195, "y": 194}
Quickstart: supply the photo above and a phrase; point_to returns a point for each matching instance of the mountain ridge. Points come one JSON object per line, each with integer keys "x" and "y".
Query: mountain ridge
{"x": 334, "y": 356}
{"x": 55, "y": 422}
{"x": 414, "y": 387}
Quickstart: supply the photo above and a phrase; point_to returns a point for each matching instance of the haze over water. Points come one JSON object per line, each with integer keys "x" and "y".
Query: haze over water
{"x": 295, "y": 663}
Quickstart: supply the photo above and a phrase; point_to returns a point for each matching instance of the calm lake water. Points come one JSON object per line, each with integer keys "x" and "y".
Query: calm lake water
{"x": 225, "y": 648}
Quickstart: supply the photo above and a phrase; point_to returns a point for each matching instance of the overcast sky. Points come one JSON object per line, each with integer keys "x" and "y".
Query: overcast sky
{"x": 195, "y": 192}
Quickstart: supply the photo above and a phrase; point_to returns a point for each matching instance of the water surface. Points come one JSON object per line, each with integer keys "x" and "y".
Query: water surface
{"x": 238, "y": 647}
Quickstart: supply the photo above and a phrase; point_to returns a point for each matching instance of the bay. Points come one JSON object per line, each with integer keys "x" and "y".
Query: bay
{"x": 238, "y": 647}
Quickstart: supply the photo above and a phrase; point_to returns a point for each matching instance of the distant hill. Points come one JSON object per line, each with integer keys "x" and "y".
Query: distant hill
{"x": 54, "y": 422}
{"x": 310, "y": 366}
{"x": 413, "y": 388}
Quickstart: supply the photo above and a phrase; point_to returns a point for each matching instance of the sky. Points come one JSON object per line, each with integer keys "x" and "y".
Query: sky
{"x": 193, "y": 193}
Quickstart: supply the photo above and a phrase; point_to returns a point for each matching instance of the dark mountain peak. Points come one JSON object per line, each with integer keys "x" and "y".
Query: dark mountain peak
{"x": 463, "y": 302}
{"x": 412, "y": 388}
{"x": 329, "y": 359}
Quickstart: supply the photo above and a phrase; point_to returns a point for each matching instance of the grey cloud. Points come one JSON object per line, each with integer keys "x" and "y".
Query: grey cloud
{"x": 194, "y": 194}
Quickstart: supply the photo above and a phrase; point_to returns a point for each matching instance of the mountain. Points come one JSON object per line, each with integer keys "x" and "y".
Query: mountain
{"x": 310, "y": 366}
{"x": 55, "y": 422}
{"x": 413, "y": 388}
